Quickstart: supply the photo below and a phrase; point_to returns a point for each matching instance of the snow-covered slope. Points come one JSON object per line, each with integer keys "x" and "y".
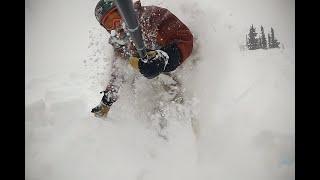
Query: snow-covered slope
{"x": 244, "y": 100}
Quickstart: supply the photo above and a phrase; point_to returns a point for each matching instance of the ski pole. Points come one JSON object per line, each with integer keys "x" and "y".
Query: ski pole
{"x": 128, "y": 14}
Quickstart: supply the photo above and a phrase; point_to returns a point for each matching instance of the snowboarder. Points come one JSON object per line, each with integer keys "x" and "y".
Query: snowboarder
{"x": 168, "y": 41}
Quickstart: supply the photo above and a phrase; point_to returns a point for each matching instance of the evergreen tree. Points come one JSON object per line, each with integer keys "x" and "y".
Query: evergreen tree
{"x": 247, "y": 40}
{"x": 269, "y": 41}
{"x": 260, "y": 43}
{"x": 263, "y": 39}
{"x": 274, "y": 42}
{"x": 252, "y": 40}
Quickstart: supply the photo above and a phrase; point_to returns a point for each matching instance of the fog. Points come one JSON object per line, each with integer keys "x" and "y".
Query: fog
{"x": 244, "y": 100}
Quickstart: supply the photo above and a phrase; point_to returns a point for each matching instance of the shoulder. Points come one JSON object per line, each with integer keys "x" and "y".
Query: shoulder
{"x": 152, "y": 11}
{"x": 157, "y": 11}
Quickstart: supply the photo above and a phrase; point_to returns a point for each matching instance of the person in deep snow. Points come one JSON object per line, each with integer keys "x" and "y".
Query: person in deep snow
{"x": 169, "y": 43}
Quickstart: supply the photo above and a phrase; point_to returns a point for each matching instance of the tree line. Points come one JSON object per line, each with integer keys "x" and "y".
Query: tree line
{"x": 255, "y": 41}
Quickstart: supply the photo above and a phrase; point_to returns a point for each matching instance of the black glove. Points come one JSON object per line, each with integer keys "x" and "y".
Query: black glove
{"x": 154, "y": 64}
{"x": 165, "y": 60}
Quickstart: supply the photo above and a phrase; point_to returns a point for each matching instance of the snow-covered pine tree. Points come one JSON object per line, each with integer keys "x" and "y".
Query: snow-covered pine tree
{"x": 253, "y": 42}
{"x": 263, "y": 39}
{"x": 274, "y": 41}
{"x": 260, "y": 43}
{"x": 247, "y": 40}
{"x": 269, "y": 41}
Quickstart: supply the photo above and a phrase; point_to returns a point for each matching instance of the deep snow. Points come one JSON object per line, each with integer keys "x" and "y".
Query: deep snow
{"x": 244, "y": 100}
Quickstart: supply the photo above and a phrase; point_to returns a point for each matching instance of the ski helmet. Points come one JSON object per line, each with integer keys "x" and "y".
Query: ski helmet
{"x": 103, "y": 7}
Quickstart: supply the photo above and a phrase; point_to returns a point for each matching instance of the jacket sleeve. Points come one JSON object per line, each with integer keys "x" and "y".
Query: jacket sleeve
{"x": 174, "y": 54}
{"x": 175, "y": 38}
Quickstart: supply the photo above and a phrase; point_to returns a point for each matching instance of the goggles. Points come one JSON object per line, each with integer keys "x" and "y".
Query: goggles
{"x": 112, "y": 20}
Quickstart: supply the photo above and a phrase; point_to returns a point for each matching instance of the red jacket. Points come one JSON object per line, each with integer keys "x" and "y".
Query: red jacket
{"x": 161, "y": 30}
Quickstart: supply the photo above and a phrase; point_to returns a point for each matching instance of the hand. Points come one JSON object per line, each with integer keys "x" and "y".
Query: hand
{"x": 101, "y": 110}
{"x": 109, "y": 97}
{"x": 153, "y": 65}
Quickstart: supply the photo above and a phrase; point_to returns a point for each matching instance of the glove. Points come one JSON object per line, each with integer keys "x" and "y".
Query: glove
{"x": 101, "y": 110}
{"x": 153, "y": 65}
{"x": 110, "y": 96}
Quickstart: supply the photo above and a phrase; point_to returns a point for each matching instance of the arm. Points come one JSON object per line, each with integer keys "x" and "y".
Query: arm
{"x": 176, "y": 40}
{"x": 177, "y": 43}
{"x": 113, "y": 86}
{"x": 110, "y": 94}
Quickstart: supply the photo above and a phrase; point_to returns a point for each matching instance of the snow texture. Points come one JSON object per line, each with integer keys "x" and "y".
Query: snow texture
{"x": 243, "y": 100}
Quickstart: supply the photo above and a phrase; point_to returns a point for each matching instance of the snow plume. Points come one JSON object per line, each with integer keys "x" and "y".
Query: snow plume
{"x": 244, "y": 100}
